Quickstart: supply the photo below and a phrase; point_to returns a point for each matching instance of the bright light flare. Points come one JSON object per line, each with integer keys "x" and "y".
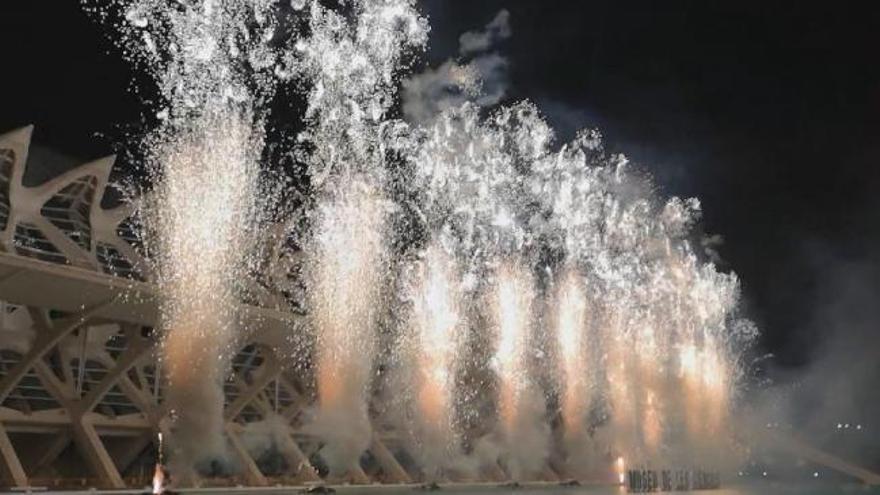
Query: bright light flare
{"x": 346, "y": 259}
{"x": 159, "y": 472}
{"x": 620, "y": 469}
{"x": 571, "y": 310}
{"x": 203, "y": 213}
{"x": 703, "y": 373}
{"x": 513, "y": 310}
{"x": 436, "y": 319}
{"x": 158, "y": 480}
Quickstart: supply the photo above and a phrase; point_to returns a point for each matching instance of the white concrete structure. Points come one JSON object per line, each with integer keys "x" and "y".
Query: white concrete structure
{"x": 80, "y": 404}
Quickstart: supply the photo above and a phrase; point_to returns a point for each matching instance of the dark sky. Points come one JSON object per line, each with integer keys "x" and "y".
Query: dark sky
{"x": 769, "y": 114}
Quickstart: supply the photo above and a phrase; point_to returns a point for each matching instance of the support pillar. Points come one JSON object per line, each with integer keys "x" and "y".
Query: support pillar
{"x": 389, "y": 464}
{"x": 136, "y": 446}
{"x": 251, "y": 471}
{"x": 270, "y": 369}
{"x": 56, "y": 447}
{"x": 296, "y": 459}
{"x": 496, "y": 473}
{"x": 116, "y": 370}
{"x": 549, "y": 474}
{"x": 12, "y": 470}
{"x": 96, "y": 455}
{"x": 47, "y": 338}
{"x": 357, "y": 476}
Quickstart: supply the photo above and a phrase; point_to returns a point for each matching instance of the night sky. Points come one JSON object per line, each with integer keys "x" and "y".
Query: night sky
{"x": 769, "y": 114}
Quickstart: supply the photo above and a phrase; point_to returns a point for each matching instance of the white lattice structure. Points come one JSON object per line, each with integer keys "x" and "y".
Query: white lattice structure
{"x": 79, "y": 399}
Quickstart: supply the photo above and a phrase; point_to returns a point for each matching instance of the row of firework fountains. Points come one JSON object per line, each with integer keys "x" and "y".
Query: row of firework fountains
{"x": 521, "y": 374}
{"x": 519, "y": 371}
{"x": 504, "y": 303}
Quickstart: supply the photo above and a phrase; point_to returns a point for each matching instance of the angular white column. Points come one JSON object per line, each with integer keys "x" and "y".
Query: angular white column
{"x": 12, "y": 469}
{"x": 96, "y": 455}
{"x": 251, "y": 471}
{"x": 390, "y": 466}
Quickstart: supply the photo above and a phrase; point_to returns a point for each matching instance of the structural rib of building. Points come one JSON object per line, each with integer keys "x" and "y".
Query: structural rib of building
{"x": 80, "y": 401}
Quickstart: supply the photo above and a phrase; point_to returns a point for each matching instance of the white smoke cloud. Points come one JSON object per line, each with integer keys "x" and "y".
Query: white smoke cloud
{"x": 480, "y": 76}
{"x": 266, "y": 435}
{"x": 480, "y": 41}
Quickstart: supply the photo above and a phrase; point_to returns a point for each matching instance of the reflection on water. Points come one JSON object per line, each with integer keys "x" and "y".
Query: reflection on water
{"x": 748, "y": 489}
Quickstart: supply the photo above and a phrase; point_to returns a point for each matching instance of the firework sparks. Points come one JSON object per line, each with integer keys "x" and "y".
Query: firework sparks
{"x": 662, "y": 333}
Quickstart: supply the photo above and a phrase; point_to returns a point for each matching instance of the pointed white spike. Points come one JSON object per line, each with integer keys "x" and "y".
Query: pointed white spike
{"x": 20, "y": 135}
{"x": 99, "y": 168}
{"x": 118, "y": 213}
{"x": 19, "y": 141}
{"x": 102, "y": 165}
